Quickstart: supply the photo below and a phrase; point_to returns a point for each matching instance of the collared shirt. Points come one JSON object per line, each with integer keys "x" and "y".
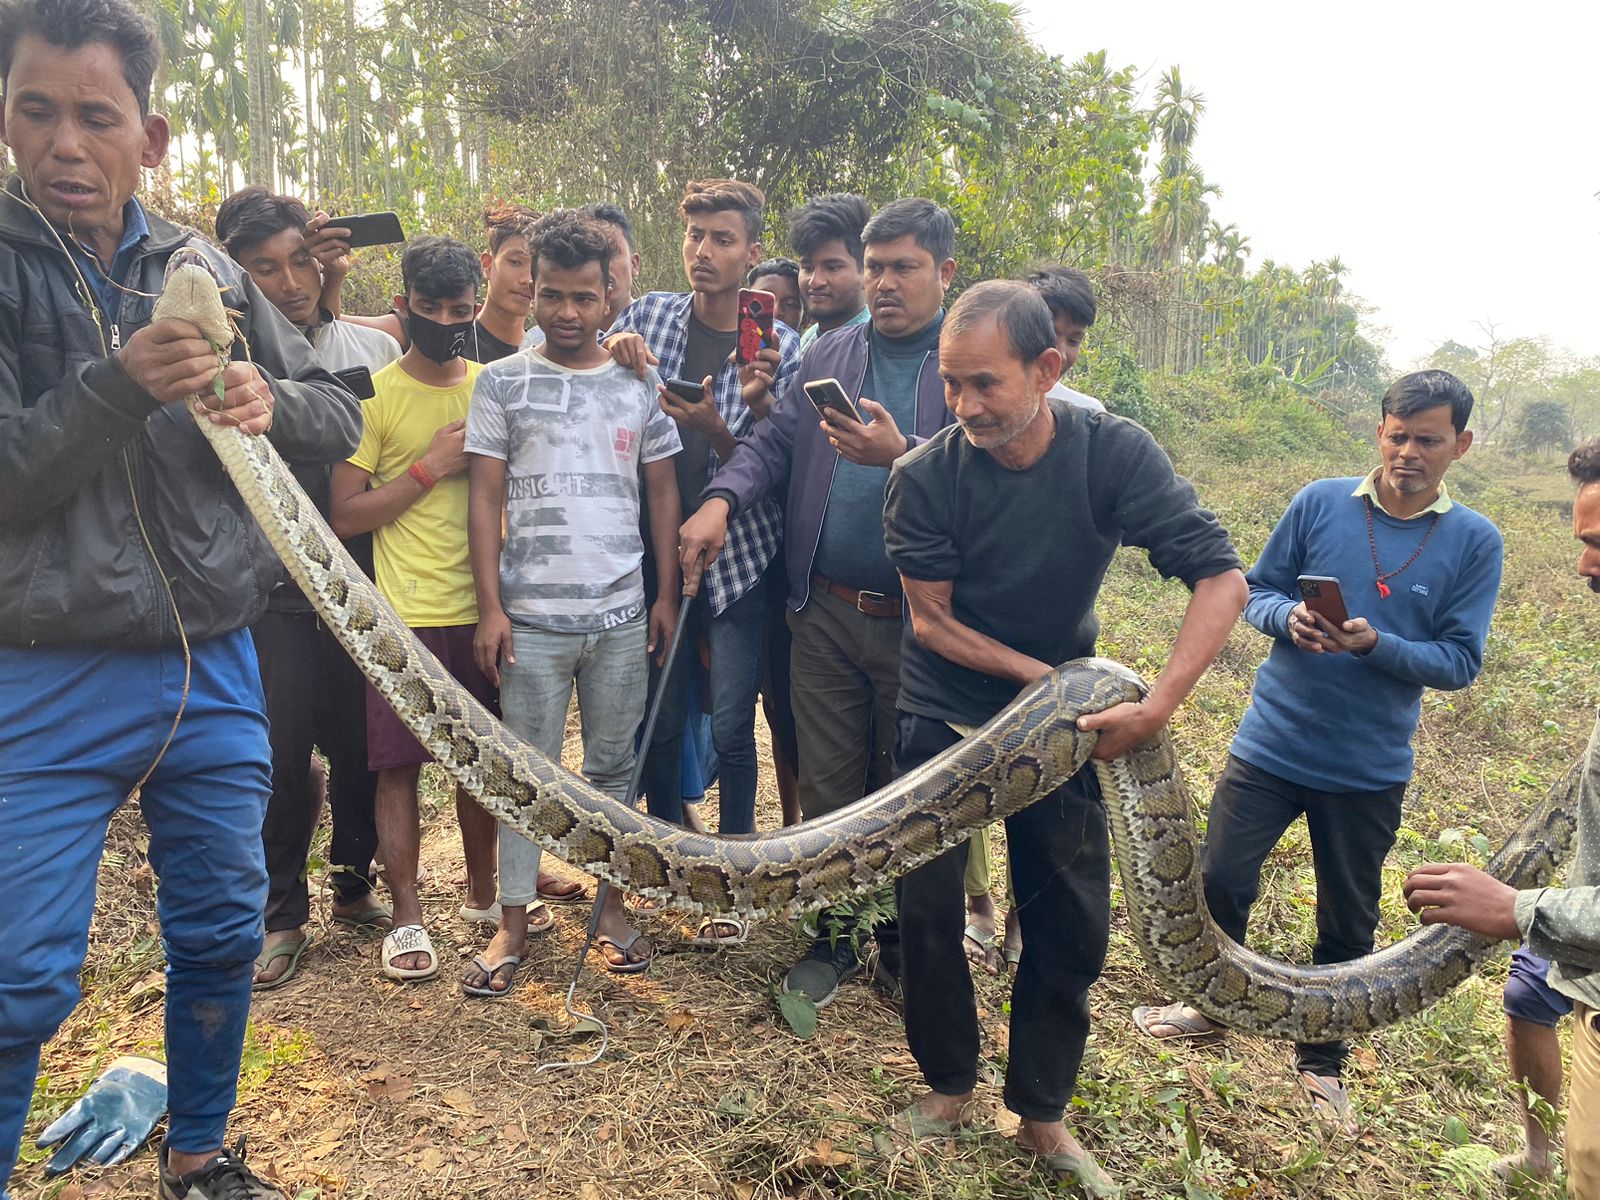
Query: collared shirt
{"x": 814, "y": 331}
{"x": 105, "y": 281}
{"x": 1368, "y": 488}
{"x": 1563, "y": 924}
{"x": 662, "y": 319}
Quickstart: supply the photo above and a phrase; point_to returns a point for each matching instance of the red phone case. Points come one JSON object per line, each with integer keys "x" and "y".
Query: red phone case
{"x": 755, "y": 323}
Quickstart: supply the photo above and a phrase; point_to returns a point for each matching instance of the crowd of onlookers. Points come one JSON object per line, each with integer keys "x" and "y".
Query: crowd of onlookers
{"x": 891, "y": 513}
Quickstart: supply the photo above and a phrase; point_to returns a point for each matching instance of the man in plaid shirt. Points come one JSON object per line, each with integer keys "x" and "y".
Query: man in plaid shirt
{"x": 690, "y": 336}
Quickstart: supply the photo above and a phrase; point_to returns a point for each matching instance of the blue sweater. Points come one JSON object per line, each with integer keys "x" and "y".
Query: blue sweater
{"x": 1336, "y": 722}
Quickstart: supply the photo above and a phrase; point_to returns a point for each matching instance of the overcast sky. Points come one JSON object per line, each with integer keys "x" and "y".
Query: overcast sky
{"x": 1449, "y": 153}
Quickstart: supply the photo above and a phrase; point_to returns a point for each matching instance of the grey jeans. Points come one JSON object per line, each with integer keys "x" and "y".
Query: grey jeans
{"x": 611, "y": 673}
{"x": 844, "y": 677}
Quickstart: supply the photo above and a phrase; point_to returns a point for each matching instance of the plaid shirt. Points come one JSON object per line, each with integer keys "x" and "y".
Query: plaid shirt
{"x": 662, "y": 319}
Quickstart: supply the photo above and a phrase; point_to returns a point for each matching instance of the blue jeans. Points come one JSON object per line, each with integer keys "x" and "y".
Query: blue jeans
{"x": 78, "y": 727}
{"x": 609, "y": 667}
{"x": 735, "y": 673}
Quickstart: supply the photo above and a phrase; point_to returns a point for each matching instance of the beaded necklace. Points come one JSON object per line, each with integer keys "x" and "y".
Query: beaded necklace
{"x": 1372, "y": 541}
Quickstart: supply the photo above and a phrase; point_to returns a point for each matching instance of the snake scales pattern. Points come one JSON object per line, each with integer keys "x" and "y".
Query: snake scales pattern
{"x": 1022, "y": 754}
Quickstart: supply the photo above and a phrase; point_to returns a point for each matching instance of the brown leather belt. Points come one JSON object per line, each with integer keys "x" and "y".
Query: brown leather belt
{"x": 873, "y": 604}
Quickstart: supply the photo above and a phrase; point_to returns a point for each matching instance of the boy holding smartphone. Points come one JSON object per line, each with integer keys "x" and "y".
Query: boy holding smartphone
{"x": 1328, "y": 731}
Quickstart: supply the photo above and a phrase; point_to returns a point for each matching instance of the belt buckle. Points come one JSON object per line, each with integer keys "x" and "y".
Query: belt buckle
{"x": 863, "y": 596}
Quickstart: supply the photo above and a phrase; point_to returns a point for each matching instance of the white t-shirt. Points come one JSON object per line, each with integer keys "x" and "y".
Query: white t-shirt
{"x": 341, "y": 345}
{"x": 1060, "y": 391}
{"x": 573, "y": 443}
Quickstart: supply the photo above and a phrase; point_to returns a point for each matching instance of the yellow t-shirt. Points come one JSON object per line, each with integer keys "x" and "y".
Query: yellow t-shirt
{"x": 420, "y": 556}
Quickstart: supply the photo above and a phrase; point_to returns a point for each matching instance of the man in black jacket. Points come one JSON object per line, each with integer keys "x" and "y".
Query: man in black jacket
{"x": 129, "y": 569}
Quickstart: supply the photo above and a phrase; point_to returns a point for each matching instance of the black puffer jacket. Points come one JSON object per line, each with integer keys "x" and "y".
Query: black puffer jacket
{"x": 86, "y": 455}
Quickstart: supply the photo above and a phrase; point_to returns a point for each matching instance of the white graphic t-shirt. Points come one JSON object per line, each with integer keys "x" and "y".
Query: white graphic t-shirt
{"x": 573, "y": 443}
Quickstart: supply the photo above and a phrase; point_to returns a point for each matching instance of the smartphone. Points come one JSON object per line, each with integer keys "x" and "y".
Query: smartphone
{"x": 370, "y": 229}
{"x": 756, "y": 309}
{"x": 829, "y": 393}
{"x": 1323, "y": 597}
{"x": 685, "y": 389}
{"x": 358, "y": 380}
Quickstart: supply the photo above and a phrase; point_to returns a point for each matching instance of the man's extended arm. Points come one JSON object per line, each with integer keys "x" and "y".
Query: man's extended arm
{"x": 1213, "y": 609}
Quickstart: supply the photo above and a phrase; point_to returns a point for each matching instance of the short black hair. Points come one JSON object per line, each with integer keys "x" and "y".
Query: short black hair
{"x": 839, "y": 217}
{"x": 704, "y": 196}
{"x": 252, "y": 215}
{"x": 569, "y": 238}
{"x": 439, "y": 268}
{"x": 1422, "y": 390}
{"x": 1019, "y": 310}
{"x": 787, "y": 267}
{"x": 1584, "y": 465}
{"x": 928, "y": 222}
{"x": 611, "y": 214}
{"x": 1067, "y": 291}
{"x": 73, "y": 24}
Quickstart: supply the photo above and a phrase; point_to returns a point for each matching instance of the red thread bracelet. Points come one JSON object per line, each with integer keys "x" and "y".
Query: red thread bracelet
{"x": 420, "y": 473}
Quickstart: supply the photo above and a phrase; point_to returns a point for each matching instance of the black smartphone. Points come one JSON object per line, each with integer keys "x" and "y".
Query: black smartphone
{"x": 1323, "y": 597}
{"x": 370, "y": 229}
{"x": 685, "y": 389}
{"x": 358, "y": 380}
{"x": 829, "y": 393}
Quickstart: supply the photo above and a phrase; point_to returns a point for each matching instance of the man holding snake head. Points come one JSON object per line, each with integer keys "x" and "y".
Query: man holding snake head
{"x": 129, "y": 570}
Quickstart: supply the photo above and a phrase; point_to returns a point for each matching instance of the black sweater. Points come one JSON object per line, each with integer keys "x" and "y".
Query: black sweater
{"x": 1028, "y": 550}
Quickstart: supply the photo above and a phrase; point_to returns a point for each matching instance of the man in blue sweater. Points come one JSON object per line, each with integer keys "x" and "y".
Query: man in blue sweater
{"x": 1328, "y": 731}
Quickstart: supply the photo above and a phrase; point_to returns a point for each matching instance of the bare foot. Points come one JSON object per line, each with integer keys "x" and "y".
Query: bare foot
{"x": 1013, "y": 939}
{"x": 1064, "y": 1156}
{"x": 932, "y": 1115}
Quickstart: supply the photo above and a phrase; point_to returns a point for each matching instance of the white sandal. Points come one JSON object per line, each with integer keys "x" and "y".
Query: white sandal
{"x": 409, "y": 939}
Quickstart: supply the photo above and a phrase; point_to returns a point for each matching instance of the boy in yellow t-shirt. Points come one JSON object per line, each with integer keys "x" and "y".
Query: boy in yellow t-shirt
{"x": 407, "y": 485}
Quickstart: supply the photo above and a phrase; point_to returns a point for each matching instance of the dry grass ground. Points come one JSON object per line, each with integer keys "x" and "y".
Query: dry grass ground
{"x": 354, "y": 1087}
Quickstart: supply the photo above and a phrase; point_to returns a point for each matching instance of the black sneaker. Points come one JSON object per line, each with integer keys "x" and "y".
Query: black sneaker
{"x": 224, "y": 1177}
{"x": 818, "y": 975}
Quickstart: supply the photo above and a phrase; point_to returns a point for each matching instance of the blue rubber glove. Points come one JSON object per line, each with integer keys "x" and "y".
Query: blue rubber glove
{"x": 112, "y": 1119}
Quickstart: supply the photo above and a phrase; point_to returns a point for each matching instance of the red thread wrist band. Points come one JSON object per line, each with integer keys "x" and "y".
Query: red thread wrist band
{"x": 420, "y": 473}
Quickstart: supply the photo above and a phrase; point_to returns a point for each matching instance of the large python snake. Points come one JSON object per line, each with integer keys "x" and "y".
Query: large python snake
{"x": 1025, "y": 752}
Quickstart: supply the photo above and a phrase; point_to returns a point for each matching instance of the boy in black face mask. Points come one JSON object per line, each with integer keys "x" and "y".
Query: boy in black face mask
{"x": 407, "y": 484}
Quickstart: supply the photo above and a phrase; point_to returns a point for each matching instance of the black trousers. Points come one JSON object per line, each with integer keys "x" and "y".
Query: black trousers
{"x": 315, "y": 698}
{"x": 1351, "y": 832}
{"x": 1061, "y": 872}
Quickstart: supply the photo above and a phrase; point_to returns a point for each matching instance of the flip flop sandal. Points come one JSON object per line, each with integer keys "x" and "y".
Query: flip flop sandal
{"x": 1080, "y": 1169}
{"x": 480, "y": 916}
{"x": 1330, "y": 1103}
{"x": 910, "y": 1125}
{"x": 376, "y": 915}
{"x": 409, "y": 939}
{"x": 625, "y": 967}
{"x": 985, "y": 944}
{"x": 291, "y": 950}
{"x": 1013, "y": 956}
{"x": 708, "y": 938}
{"x": 1190, "y": 1025}
{"x": 576, "y": 897}
{"x": 483, "y": 991}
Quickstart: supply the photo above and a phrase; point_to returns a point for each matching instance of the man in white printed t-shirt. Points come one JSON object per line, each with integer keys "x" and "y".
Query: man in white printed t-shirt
{"x": 559, "y": 439}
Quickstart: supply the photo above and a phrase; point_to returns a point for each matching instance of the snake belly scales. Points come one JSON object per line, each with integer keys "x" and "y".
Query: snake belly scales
{"x": 1025, "y": 752}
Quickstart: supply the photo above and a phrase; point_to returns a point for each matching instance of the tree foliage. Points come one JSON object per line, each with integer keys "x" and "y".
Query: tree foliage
{"x": 434, "y": 107}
